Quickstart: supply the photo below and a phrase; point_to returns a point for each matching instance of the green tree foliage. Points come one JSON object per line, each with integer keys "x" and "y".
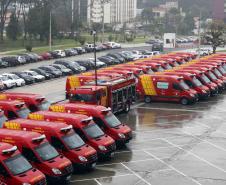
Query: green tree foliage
{"x": 214, "y": 34}
{"x": 13, "y": 30}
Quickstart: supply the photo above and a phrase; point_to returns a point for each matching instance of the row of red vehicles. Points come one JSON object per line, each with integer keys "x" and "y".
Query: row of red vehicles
{"x": 178, "y": 77}
{"x": 55, "y": 139}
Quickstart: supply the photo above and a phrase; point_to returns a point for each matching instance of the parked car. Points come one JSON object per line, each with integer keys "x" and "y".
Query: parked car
{"x": 157, "y": 47}
{"x": 80, "y": 50}
{"x": 74, "y": 66}
{"x": 70, "y": 52}
{"x": 47, "y": 56}
{"x": 86, "y": 63}
{"x": 203, "y": 51}
{"x": 131, "y": 55}
{"x": 116, "y": 56}
{"x": 14, "y": 60}
{"x": 2, "y": 86}
{"x": 36, "y": 56}
{"x": 58, "y": 54}
{"x": 8, "y": 83}
{"x": 36, "y": 76}
{"x": 47, "y": 75}
{"x": 98, "y": 62}
{"x": 27, "y": 78}
{"x": 89, "y": 47}
{"x": 3, "y": 64}
{"x": 106, "y": 60}
{"x": 114, "y": 45}
{"x": 52, "y": 70}
{"x": 27, "y": 57}
{"x": 18, "y": 81}
{"x": 63, "y": 69}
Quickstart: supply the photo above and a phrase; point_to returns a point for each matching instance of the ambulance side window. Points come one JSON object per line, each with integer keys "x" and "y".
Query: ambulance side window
{"x": 189, "y": 83}
{"x": 57, "y": 143}
{"x": 3, "y": 171}
{"x": 81, "y": 134}
{"x": 176, "y": 86}
{"x": 29, "y": 154}
{"x": 11, "y": 115}
{"x": 33, "y": 108}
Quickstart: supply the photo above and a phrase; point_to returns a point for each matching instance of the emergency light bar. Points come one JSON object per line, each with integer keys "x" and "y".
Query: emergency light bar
{"x": 106, "y": 110}
{"x": 87, "y": 120}
{"x": 66, "y": 129}
{"x": 39, "y": 139}
{"x": 10, "y": 151}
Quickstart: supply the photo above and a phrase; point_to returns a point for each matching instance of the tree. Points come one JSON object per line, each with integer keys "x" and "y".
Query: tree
{"x": 13, "y": 30}
{"x": 4, "y": 5}
{"x": 214, "y": 34}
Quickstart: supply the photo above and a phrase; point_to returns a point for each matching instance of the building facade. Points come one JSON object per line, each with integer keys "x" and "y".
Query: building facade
{"x": 219, "y": 9}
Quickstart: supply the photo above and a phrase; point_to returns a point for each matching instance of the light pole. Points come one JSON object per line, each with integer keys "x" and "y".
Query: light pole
{"x": 94, "y": 33}
{"x": 50, "y": 30}
{"x": 199, "y": 33}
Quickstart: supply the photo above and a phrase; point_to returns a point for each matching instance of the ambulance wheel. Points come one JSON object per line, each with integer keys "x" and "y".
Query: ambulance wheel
{"x": 127, "y": 107}
{"x": 184, "y": 101}
{"x": 147, "y": 99}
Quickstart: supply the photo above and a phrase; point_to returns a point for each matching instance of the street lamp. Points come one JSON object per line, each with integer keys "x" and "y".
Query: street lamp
{"x": 94, "y": 33}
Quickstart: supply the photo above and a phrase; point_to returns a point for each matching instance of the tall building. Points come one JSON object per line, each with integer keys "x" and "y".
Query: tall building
{"x": 219, "y": 9}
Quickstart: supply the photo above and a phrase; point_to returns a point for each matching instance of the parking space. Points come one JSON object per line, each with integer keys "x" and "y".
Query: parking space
{"x": 173, "y": 144}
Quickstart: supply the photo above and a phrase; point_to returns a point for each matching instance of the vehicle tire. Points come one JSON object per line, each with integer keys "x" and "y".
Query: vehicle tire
{"x": 147, "y": 99}
{"x": 184, "y": 101}
{"x": 127, "y": 107}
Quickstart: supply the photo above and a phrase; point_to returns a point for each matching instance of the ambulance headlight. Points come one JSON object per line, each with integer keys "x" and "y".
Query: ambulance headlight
{"x": 83, "y": 159}
{"x": 122, "y": 136}
{"x": 56, "y": 171}
{"x": 102, "y": 148}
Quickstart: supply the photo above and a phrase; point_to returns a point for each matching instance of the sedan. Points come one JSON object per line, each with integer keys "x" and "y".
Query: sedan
{"x": 47, "y": 75}
{"x": 74, "y": 66}
{"x": 18, "y": 81}
{"x": 27, "y": 78}
{"x": 52, "y": 70}
{"x": 8, "y": 83}
{"x": 63, "y": 69}
{"x": 36, "y": 76}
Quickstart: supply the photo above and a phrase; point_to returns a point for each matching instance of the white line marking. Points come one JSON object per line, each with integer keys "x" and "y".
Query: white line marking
{"x": 201, "y": 159}
{"x": 172, "y": 167}
{"x": 97, "y": 182}
{"x": 168, "y": 109}
{"x": 137, "y": 105}
{"x": 135, "y": 174}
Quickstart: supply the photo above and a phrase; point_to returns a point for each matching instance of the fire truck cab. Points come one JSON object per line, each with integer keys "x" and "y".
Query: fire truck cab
{"x": 166, "y": 88}
{"x": 106, "y": 120}
{"x": 34, "y": 102}
{"x": 38, "y": 152}
{"x": 63, "y": 138}
{"x": 14, "y": 109}
{"x": 90, "y": 132}
{"x": 15, "y": 169}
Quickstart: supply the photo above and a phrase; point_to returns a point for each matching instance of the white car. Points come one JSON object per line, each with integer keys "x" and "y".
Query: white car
{"x": 99, "y": 63}
{"x": 60, "y": 53}
{"x": 19, "y": 81}
{"x": 114, "y": 45}
{"x": 135, "y": 56}
{"x": 7, "y": 82}
{"x": 203, "y": 51}
{"x": 36, "y": 76}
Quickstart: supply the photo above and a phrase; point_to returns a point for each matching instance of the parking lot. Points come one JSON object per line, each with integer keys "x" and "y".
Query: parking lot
{"x": 172, "y": 144}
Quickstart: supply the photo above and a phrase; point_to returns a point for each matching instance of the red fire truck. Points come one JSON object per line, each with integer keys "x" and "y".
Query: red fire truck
{"x": 38, "y": 151}
{"x": 63, "y": 138}
{"x": 115, "y": 93}
{"x": 34, "y": 102}
{"x": 15, "y": 169}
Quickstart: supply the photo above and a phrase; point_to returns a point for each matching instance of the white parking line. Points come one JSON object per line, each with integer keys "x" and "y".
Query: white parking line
{"x": 201, "y": 159}
{"x": 137, "y": 105}
{"x": 172, "y": 167}
{"x": 135, "y": 174}
{"x": 97, "y": 182}
{"x": 173, "y": 109}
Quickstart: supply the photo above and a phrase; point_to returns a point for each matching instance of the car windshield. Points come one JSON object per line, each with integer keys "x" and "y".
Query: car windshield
{"x": 46, "y": 151}
{"x": 33, "y": 73}
{"x": 222, "y": 70}
{"x": 205, "y": 79}
{"x": 224, "y": 66}
{"x": 168, "y": 66}
{"x": 184, "y": 85}
{"x": 217, "y": 72}
{"x": 4, "y": 78}
{"x": 23, "y": 113}
{"x": 176, "y": 64}
{"x": 160, "y": 69}
{"x": 15, "y": 77}
{"x": 44, "y": 105}
{"x": 150, "y": 71}
{"x": 93, "y": 131}
{"x": 212, "y": 75}
{"x": 73, "y": 141}
{"x": 112, "y": 120}
{"x": 3, "y": 119}
{"x": 17, "y": 164}
{"x": 196, "y": 82}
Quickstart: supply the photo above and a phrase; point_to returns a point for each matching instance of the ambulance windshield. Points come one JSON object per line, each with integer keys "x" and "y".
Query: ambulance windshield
{"x": 17, "y": 164}
{"x": 73, "y": 141}
{"x": 205, "y": 79}
{"x": 197, "y": 82}
{"x": 184, "y": 85}
{"x": 46, "y": 151}
{"x": 112, "y": 120}
{"x": 44, "y": 105}
{"x": 23, "y": 113}
{"x": 93, "y": 131}
{"x": 2, "y": 120}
